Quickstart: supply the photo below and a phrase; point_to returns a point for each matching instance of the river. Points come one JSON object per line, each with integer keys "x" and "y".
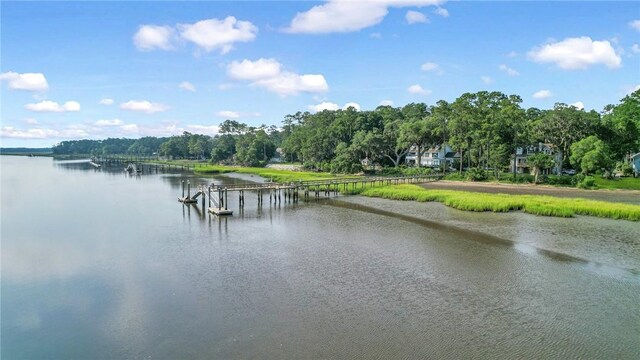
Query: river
{"x": 100, "y": 264}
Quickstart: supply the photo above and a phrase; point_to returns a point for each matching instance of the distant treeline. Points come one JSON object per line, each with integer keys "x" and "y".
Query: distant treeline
{"x": 24, "y": 150}
{"x": 485, "y": 128}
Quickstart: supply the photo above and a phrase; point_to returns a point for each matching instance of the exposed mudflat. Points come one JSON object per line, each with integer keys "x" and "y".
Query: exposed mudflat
{"x": 623, "y": 196}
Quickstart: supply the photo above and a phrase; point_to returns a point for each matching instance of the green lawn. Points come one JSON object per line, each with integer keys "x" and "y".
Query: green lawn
{"x": 533, "y": 204}
{"x": 627, "y": 183}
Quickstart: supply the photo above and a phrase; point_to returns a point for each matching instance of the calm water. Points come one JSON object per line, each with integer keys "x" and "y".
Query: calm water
{"x": 103, "y": 265}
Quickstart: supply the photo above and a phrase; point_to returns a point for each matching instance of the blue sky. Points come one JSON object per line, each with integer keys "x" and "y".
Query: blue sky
{"x": 129, "y": 69}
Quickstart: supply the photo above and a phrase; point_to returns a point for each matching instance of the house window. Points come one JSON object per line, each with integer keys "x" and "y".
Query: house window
{"x": 434, "y": 155}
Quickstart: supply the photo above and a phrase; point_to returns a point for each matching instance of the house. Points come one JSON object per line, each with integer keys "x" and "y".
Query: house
{"x": 523, "y": 152}
{"x": 432, "y": 157}
{"x": 635, "y": 164}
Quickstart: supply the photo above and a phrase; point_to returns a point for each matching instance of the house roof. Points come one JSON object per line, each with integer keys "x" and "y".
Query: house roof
{"x": 451, "y": 154}
{"x": 635, "y": 155}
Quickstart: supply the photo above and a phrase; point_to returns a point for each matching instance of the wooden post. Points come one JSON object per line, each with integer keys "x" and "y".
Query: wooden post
{"x": 183, "y": 189}
{"x": 189, "y": 189}
{"x": 209, "y": 193}
{"x": 225, "y": 199}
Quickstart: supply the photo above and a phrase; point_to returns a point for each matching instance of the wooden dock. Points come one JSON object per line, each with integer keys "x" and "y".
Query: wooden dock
{"x": 217, "y": 195}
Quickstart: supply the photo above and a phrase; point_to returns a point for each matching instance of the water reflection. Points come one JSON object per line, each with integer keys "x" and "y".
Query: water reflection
{"x": 105, "y": 267}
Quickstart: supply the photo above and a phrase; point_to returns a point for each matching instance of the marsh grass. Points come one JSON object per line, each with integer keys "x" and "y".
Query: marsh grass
{"x": 275, "y": 175}
{"x": 532, "y": 204}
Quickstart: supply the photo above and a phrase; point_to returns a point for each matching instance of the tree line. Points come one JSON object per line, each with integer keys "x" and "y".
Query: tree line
{"x": 485, "y": 128}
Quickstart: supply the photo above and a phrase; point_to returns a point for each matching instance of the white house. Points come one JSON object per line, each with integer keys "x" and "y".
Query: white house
{"x": 635, "y": 164}
{"x": 522, "y": 153}
{"x": 432, "y": 157}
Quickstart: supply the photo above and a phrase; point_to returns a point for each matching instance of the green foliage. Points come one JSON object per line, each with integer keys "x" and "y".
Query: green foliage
{"x": 540, "y": 161}
{"x": 476, "y": 174}
{"x": 625, "y": 168}
{"x": 623, "y": 183}
{"x": 590, "y": 155}
{"x": 533, "y": 204}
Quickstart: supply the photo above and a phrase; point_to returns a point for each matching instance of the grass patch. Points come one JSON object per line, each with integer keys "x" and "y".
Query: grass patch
{"x": 276, "y": 175}
{"x": 626, "y": 183}
{"x": 532, "y": 204}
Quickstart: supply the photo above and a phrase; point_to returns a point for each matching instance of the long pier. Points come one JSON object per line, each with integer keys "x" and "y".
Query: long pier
{"x": 218, "y": 194}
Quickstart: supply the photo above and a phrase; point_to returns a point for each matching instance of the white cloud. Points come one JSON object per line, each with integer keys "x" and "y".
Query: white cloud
{"x": 576, "y": 53}
{"x": 348, "y": 16}
{"x": 332, "y": 106}
{"x": 228, "y": 114}
{"x": 25, "y": 81}
{"x": 324, "y": 106}
{"x": 635, "y": 24}
{"x": 143, "y": 106}
{"x": 578, "y": 105}
{"x": 114, "y": 122}
{"x": 512, "y": 54}
{"x": 417, "y": 89}
{"x": 415, "y": 17}
{"x": 635, "y": 48}
{"x": 386, "y": 103}
{"x": 376, "y": 35}
{"x": 441, "y": 11}
{"x": 254, "y": 70}
{"x": 508, "y": 70}
{"x": 152, "y": 37}
{"x": 214, "y": 34}
{"x": 130, "y": 128}
{"x": 52, "y": 106}
{"x": 106, "y": 102}
{"x": 185, "y": 85}
{"x": 351, "y": 104}
{"x": 432, "y": 67}
{"x": 487, "y": 79}
{"x": 40, "y": 133}
{"x": 268, "y": 73}
{"x": 542, "y": 94}
{"x": 31, "y": 121}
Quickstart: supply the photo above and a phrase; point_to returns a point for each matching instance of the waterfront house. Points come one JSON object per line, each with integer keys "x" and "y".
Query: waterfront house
{"x": 522, "y": 153}
{"x": 635, "y": 164}
{"x": 432, "y": 157}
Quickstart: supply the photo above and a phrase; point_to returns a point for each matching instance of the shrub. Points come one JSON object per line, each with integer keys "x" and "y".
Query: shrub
{"x": 587, "y": 183}
{"x": 476, "y": 174}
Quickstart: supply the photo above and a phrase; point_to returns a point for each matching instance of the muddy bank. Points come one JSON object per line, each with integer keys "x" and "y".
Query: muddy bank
{"x": 623, "y": 196}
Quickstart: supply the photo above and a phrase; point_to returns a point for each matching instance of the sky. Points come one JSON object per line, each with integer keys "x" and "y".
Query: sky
{"x": 75, "y": 70}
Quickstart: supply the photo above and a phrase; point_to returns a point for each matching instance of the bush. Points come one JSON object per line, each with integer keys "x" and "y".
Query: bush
{"x": 476, "y": 174}
{"x": 587, "y": 183}
{"x": 559, "y": 180}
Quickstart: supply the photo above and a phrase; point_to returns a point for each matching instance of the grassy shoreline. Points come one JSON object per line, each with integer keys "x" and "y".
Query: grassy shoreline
{"x": 532, "y": 204}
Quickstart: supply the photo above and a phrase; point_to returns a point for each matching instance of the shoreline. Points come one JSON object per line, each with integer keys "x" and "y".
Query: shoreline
{"x": 609, "y": 195}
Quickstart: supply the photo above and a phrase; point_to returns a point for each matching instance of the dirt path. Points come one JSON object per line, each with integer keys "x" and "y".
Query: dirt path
{"x": 624, "y": 196}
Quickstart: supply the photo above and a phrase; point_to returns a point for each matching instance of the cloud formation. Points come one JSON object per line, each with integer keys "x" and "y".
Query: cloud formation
{"x": 635, "y": 24}
{"x": 114, "y": 122}
{"x": 415, "y": 17}
{"x": 348, "y": 16}
{"x": 487, "y": 79}
{"x": 106, "y": 102}
{"x": 418, "y": 90}
{"x": 228, "y": 114}
{"x": 333, "y": 106}
{"x": 52, "y": 106}
{"x": 144, "y": 106}
{"x": 577, "y": 54}
{"x": 152, "y": 37}
{"x": 431, "y": 67}
{"x": 25, "y": 81}
{"x": 386, "y": 103}
{"x": 268, "y": 73}
{"x": 542, "y": 94}
{"x": 185, "y": 85}
{"x": 214, "y": 34}
{"x": 508, "y": 70}
{"x": 578, "y": 105}
{"x": 441, "y": 11}
{"x": 208, "y": 35}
